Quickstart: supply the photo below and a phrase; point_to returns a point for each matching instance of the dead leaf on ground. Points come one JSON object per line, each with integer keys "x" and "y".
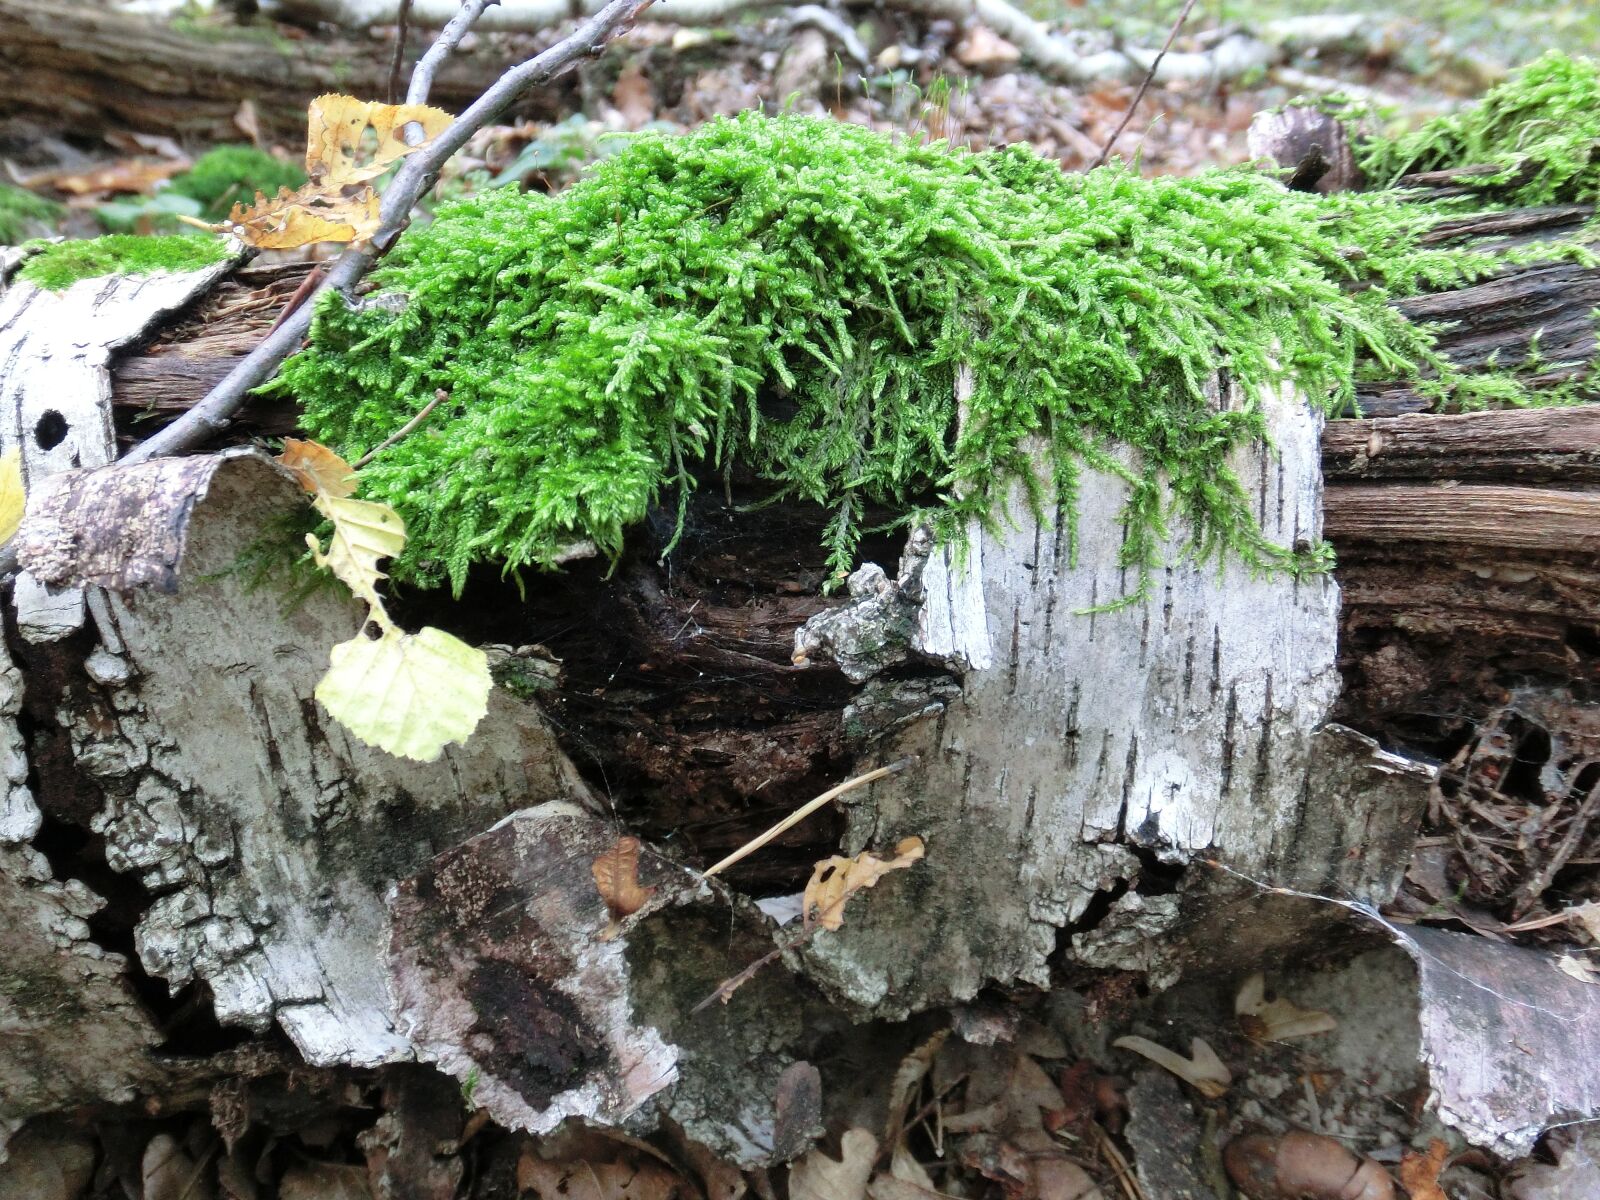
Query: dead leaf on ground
{"x": 1303, "y": 1166}
{"x": 818, "y": 1177}
{"x": 581, "y": 1179}
{"x": 340, "y": 130}
{"x": 836, "y": 879}
{"x": 1577, "y": 968}
{"x": 633, "y": 97}
{"x": 302, "y": 218}
{"x": 1278, "y": 1019}
{"x": 1204, "y": 1071}
{"x": 130, "y": 175}
{"x": 168, "y": 1173}
{"x": 325, "y": 1181}
{"x": 616, "y": 876}
{"x": 1419, "y": 1173}
{"x": 47, "y": 1164}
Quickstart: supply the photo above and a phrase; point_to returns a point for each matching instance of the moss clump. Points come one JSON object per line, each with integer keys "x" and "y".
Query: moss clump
{"x": 24, "y": 215}
{"x": 1541, "y": 127}
{"x": 234, "y": 173}
{"x": 62, "y": 264}
{"x": 797, "y": 295}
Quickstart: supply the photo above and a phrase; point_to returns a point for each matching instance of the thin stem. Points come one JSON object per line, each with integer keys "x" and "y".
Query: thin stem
{"x": 1144, "y": 87}
{"x": 449, "y": 38}
{"x": 804, "y": 811}
{"x": 415, "y": 176}
{"x": 399, "y": 61}
{"x": 439, "y": 396}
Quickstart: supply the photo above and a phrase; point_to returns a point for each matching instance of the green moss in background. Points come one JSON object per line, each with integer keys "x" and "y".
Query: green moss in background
{"x": 796, "y": 295}
{"x": 62, "y": 264}
{"x": 1542, "y": 127}
{"x": 227, "y": 174}
{"x": 24, "y": 215}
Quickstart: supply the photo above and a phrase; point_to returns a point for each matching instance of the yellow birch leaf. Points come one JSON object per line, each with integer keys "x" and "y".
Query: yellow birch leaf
{"x": 336, "y": 131}
{"x": 319, "y": 470}
{"x": 302, "y": 218}
{"x": 834, "y": 880}
{"x": 364, "y": 533}
{"x": 409, "y": 694}
{"x": 12, "y": 498}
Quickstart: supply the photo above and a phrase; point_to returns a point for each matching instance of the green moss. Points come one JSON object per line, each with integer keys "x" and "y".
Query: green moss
{"x": 797, "y": 295}
{"x": 234, "y": 173}
{"x": 62, "y": 264}
{"x": 24, "y": 215}
{"x": 1541, "y": 127}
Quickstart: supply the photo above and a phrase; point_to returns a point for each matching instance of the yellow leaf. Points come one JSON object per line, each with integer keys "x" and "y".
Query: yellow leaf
{"x": 12, "y": 497}
{"x": 409, "y": 694}
{"x": 319, "y": 470}
{"x": 1278, "y": 1019}
{"x": 364, "y": 533}
{"x": 834, "y": 880}
{"x": 302, "y": 218}
{"x": 336, "y": 129}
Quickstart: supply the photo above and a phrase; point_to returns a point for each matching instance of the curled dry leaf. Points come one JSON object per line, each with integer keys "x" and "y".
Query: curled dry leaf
{"x": 301, "y": 218}
{"x": 1419, "y": 1173}
{"x": 319, "y": 470}
{"x": 818, "y": 1177}
{"x": 1204, "y": 1071}
{"x": 834, "y": 880}
{"x": 581, "y": 1179}
{"x": 616, "y": 876}
{"x": 1303, "y": 1166}
{"x": 1278, "y": 1019}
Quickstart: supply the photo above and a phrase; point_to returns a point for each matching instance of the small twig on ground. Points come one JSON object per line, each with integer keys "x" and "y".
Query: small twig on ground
{"x": 299, "y": 297}
{"x": 1149, "y": 77}
{"x": 804, "y": 811}
{"x": 439, "y": 397}
{"x": 415, "y": 176}
{"x": 398, "y": 64}
{"x": 725, "y": 990}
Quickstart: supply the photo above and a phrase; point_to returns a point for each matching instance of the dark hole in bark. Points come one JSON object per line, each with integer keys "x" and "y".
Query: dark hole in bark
{"x": 50, "y": 430}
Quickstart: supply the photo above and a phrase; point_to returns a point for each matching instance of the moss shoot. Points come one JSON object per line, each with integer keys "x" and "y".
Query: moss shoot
{"x": 62, "y": 264}
{"x": 24, "y": 215}
{"x": 227, "y": 174}
{"x": 797, "y": 295}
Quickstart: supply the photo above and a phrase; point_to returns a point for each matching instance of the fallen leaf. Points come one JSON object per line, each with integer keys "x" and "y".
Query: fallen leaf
{"x": 1569, "y": 964}
{"x": 364, "y": 533}
{"x": 818, "y": 1177}
{"x": 585, "y": 1180}
{"x": 325, "y": 1181}
{"x": 409, "y": 694}
{"x": 13, "y": 500}
{"x": 633, "y": 97}
{"x": 1575, "y": 1175}
{"x": 981, "y": 47}
{"x": 1204, "y": 1071}
{"x": 300, "y": 218}
{"x": 336, "y": 133}
{"x": 136, "y": 175}
{"x": 248, "y": 121}
{"x": 319, "y": 470}
{"x": 167, "y": 1172}
{"x": 834, "y": 880}
{"x": 1276, "y": 1020}
{"x": 616, "y": 875}
{"x": 1419, "y": 1173}
{"x": 1303, "y": 1166}
{"x": 46, "y": 1163}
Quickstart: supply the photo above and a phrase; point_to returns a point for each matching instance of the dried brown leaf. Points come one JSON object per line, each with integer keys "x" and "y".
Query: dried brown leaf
{"x": 616, "y": 876}
{"x": 319, "y": 470}
{"x": 1419, "y": 1173}
{"x": 581, "y": 1179}
{"x": 337, "y": 129}
{"x": 137, "y": 175}
{"x": 834, "y": 880}
{"x": 818, "y": 1177}
{"x": 301, "y": 218}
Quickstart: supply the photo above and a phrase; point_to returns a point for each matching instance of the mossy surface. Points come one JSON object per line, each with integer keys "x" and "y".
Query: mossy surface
{"x": 227, "y": 174}
{"x": 24, "y": 215}
{"x": 62, "y": 264}
{"x": 1541, "y": 127}
{"x": 797, "y": 295}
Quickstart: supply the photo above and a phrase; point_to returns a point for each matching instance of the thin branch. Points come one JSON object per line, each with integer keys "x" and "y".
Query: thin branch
{"x": 443, "y": 47}
{"x": 1144, "y": 87}
{"x": 439, "y": 396}
{"x": 399, "y": 61}
{"x": 416, "y": 175}
{"x": 804, "y": 811}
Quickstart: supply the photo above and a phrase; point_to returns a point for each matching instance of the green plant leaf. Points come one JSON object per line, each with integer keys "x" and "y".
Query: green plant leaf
{"x": 409, "y": 694}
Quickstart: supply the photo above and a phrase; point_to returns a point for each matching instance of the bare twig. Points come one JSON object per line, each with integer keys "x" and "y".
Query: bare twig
{"x": 416, "y": 175}
{"x": 443, "y": 47}
{"x": 399, "y": 61}
{"x": 439, "y": 397}
{"x": 804, "y": 811}
{"x": 1149, "y": 76}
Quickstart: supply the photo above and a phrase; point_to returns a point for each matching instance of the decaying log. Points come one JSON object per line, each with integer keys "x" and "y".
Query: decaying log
{"x": 80, "y": 67}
